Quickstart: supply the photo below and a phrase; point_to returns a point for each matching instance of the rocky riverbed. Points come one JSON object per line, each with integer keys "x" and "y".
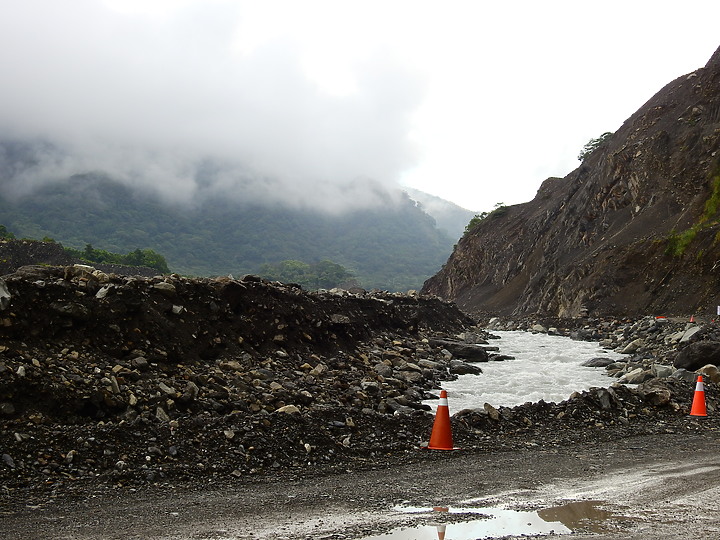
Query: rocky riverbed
{"x": 111, "y": 382}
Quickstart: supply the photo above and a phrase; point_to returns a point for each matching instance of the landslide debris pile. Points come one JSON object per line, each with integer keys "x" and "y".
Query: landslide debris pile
{"x": 135, "y": 379}
{"x": 110, "y": 381}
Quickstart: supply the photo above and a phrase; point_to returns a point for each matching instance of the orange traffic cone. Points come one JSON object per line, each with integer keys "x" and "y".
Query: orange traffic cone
{"x": 441, "y": 436}
{"x": 698, "y": 404}
{"x": 692, "y": 318}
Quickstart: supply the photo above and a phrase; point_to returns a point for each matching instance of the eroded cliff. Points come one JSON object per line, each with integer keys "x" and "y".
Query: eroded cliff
{"x": 633, "y": 230}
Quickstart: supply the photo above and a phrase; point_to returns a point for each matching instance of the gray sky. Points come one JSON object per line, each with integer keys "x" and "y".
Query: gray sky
{"x": 309, "y": 101}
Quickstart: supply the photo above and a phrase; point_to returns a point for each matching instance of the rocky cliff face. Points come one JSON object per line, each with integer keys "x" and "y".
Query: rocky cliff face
{"x": 633, "y": 230}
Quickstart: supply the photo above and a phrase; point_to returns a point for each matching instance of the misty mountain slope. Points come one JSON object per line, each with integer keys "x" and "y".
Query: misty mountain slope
{"x": 396, "y": 246}
{"x": 449, "y": 217}
{"x": 633, "y": 230}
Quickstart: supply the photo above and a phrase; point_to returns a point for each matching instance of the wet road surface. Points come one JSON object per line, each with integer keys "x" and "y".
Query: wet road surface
{"x": 660, "y": 486}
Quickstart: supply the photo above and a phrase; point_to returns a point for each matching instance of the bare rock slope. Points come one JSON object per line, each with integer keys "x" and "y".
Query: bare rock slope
{"x": 633, "y": 230}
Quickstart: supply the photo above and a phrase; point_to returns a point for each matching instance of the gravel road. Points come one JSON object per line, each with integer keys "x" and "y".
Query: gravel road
{"x": 652, "y": 486}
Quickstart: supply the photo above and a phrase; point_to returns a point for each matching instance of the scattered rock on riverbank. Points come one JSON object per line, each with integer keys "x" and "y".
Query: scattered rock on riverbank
{"x": 109, "y": 381}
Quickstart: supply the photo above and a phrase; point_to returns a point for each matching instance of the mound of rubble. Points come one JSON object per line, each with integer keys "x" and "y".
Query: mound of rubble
{"x": 110, "y": 381}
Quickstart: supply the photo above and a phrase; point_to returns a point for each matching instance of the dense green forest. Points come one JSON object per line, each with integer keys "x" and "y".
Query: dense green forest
{"x": 395, "y": 247}
{"x": 138, "y": 257}
{"x": 320, "y": 275}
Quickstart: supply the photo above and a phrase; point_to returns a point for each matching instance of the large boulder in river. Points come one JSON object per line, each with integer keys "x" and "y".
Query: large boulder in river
{"x": 468, "y": 351}
{"x": 698, "y": 354}
{"x": 598, "y": 362}
{"x": 458, "y": 367}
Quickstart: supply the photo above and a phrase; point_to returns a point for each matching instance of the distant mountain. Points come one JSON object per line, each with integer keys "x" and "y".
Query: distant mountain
{"x": 394, "y": 247}
{"x": 634, "y": 230}
{"x": 449, "y": 217}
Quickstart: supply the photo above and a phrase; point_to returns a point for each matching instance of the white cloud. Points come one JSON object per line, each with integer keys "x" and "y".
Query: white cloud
{"x": 472, "y": 101}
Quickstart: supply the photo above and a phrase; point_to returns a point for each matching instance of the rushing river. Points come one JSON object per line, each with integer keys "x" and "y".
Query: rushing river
{"x": 545, "y": 367}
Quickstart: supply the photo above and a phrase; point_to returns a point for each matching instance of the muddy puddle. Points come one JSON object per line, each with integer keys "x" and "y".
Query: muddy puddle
{"x": 471, "y": 523}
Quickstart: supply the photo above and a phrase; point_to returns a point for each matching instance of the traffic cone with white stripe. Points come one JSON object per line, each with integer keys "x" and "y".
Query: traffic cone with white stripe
{"x": 441, "y": 436}
{"x": 441, "y": 531}
{"x": 698, "y": 404}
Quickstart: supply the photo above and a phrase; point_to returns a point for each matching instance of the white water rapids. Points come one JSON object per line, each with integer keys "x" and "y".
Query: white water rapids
{"x": 545, "y": 367}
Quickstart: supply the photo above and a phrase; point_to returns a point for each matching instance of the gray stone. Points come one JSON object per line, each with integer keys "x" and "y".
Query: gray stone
{"x": 288, "y": 409}
{"x": 412, "y": 377}
{"x": 661, "y": 371}
{"x": 139, "y": 363}
{"x": 636, "y": 376}
{"x": 711, "y": 372}
{"x": 5, "y": 295}
{"x": 72, "y": 309}
{"x": 683, "y": 374}
{"x": 538, "y": 328}
{"x": 396, "y": 408}
{"x": 161, "y": 415}
{"x": 103, "y": 292}
{"x": 7, "y": 408}
{"x": 698, "y": 354}
{"x": 167, "y": 389}
{"x": 500, "y": 357}
{"x": 458, "y": 367}
{"x": 468, "y": 351}
{"x": 598, "y": 362}
{"x": 492, "y": 412}
{"x": 689, "y": 333}
{"x": 337, "y": 318}
{"x": 633, "y": 346}
{"x": 655, "y": 392}
{"x": 371, "y": 387}
{"x": 8, "y": 460}
{"x": 383, "y": 370}
{"x": 430, "y": 364}
{"x": 168, "y": 289}
{"x": 605, "y": 398}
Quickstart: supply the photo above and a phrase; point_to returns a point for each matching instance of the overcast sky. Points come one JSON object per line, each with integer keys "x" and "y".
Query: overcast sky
{"x": 476, "y": 102}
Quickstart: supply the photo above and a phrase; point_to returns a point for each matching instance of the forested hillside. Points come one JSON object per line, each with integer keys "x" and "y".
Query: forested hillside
{"x": 394, "y": 247}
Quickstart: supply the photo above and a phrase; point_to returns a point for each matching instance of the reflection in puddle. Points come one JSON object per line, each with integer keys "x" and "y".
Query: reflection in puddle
{"x": 583, "y": 515}
{"x": 476, "y": 523}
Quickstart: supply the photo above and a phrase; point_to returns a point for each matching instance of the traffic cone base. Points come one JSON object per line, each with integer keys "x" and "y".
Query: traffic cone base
{"x": 441, "y": 437}
{"x": 698, "y": 404}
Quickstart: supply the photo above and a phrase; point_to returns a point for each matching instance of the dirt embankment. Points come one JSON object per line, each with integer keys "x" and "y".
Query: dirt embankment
{"x": 15, "y": 254}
